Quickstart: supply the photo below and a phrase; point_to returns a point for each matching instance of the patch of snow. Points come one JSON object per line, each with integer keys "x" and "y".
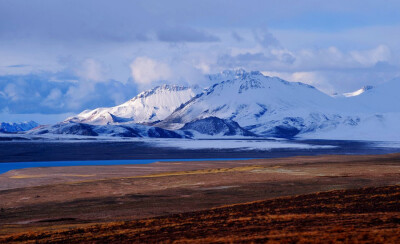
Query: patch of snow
{"x": 358, "y": 92}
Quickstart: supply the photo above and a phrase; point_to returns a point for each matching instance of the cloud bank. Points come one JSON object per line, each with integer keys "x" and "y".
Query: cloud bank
{"x": 67, "y": 56}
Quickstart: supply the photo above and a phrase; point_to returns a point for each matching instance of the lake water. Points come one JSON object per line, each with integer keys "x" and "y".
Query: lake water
{"x": 4, "y": 167}
{"x": 19, "y": 155}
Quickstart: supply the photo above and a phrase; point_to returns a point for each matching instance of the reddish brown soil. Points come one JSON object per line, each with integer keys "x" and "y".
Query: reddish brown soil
{"x": 368, "y": 215}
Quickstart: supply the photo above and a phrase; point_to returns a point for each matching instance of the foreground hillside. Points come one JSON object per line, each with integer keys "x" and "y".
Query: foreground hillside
{"x": 367, "y": 215}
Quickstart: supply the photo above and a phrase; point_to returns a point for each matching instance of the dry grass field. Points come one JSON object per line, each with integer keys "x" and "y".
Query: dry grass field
{"x": 367, "y": 215}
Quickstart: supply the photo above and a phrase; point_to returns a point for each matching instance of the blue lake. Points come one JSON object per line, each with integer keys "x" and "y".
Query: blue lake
{"x": 4, "y": 167}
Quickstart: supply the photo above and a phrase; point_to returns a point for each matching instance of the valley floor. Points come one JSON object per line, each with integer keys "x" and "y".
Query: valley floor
{"x": 75, "y": 200}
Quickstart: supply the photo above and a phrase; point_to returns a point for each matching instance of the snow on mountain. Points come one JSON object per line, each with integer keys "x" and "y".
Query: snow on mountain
{"x": 123, "y": 130}
{"x": 358, "y": 92}
{"x": 267, "y": 106}
{"x": 149, "y": 106}
{"x": 17, "y": 127}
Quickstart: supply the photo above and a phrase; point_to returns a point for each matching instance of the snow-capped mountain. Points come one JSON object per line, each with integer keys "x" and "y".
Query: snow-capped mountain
{"x": 244, "y": 103}
{"x": 17, "y": 127}
{"x": 267, "y": 106}
{"x": 147, "y": 107}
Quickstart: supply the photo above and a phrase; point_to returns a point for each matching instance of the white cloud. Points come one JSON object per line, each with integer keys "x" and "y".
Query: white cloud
{"x": 53, "y": 99}
{"x": 370, "y": 57}
{"x": 203, "y": 67}
{"x": 79, "y": 94}
{"x": 91, "y": 70}
{"x": 323, "y": 59}
{"x": 145, "y": 71}
{"x": 11, "y": 92}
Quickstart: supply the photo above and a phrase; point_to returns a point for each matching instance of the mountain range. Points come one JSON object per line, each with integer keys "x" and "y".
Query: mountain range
{"x": 17, "y": 127}
{"x": 242, "y": 103}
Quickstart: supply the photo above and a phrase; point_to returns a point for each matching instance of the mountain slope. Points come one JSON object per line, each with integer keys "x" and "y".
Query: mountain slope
{"x": 381, "y": 99}
{"x": 149, "y": 106}
{"x": 377, "y": 114}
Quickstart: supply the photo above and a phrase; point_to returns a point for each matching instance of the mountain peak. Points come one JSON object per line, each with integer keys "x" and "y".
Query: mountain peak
{"x": 233, "y": 74}
{"x": 165, "y": 87}
{"x": 252, "y": 80}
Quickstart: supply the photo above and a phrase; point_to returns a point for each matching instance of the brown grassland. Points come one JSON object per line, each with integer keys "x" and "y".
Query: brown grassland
{"x": 367, "y": 215}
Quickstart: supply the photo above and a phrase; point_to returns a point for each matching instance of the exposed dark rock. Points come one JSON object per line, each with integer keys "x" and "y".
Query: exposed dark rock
{"x": 215, "y": 126}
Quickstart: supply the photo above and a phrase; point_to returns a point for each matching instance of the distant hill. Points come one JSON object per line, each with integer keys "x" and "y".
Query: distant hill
{"x": 17, "y": 127}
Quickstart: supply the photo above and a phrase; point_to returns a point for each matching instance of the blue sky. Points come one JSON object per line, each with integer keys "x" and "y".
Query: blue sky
{"x": 61, "y": 57}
